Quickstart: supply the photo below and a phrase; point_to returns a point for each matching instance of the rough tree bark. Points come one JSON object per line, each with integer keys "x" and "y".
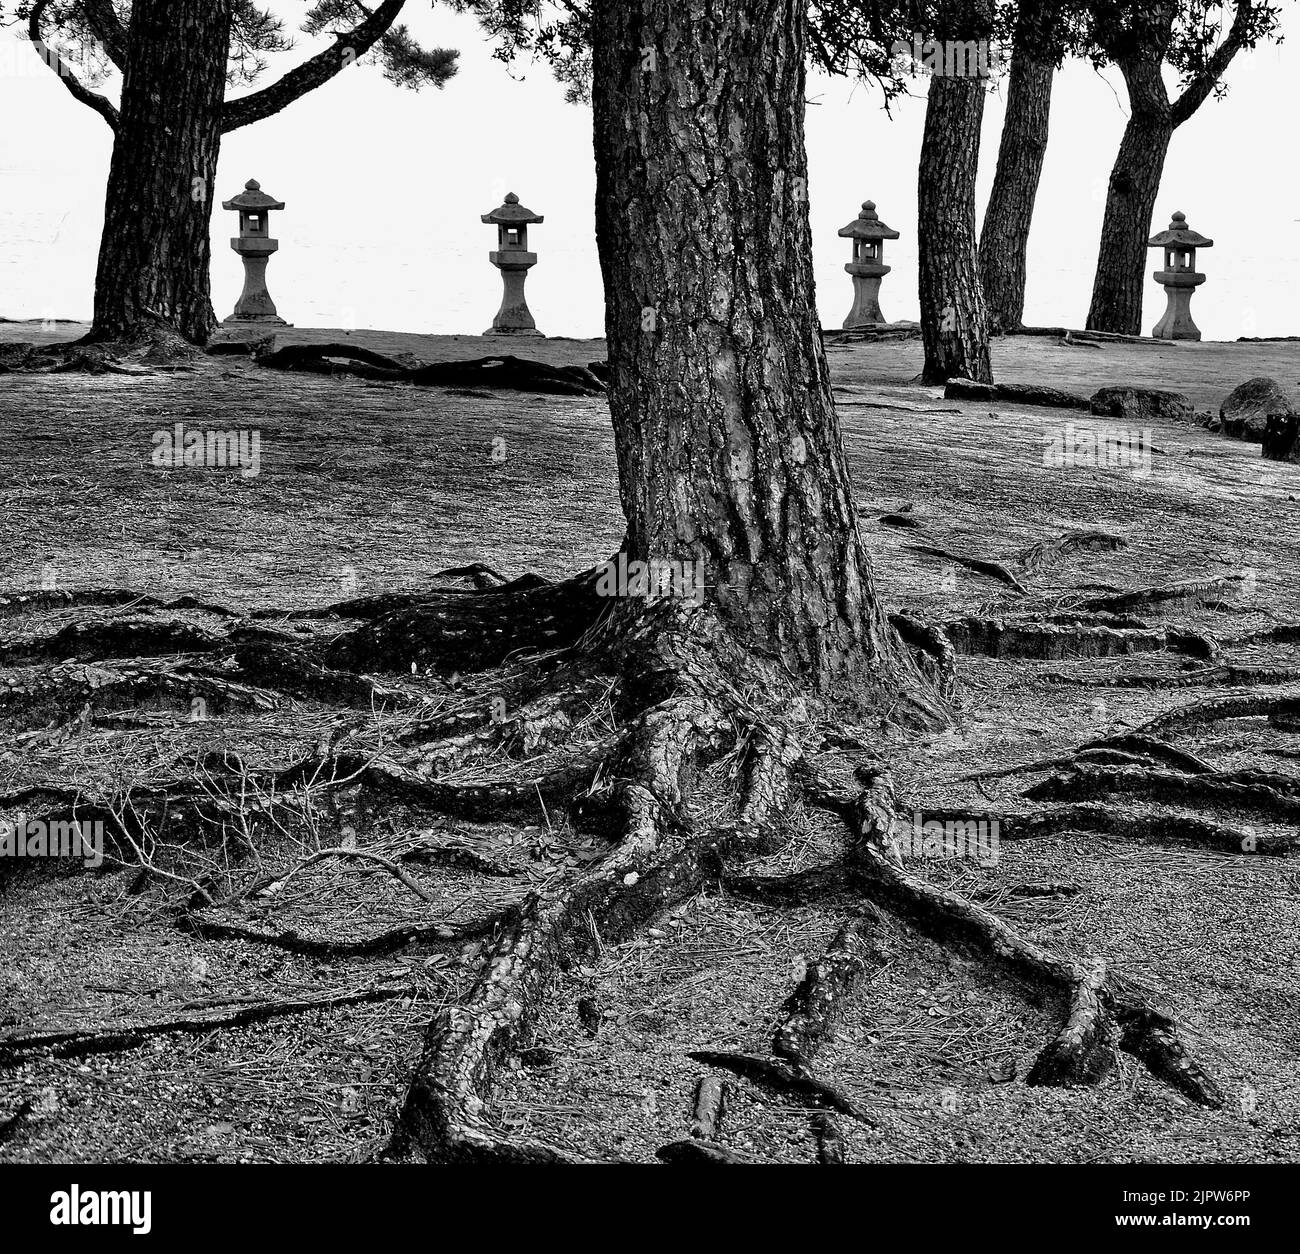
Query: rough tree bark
{"x": 1131, "y": 198}
{"x": 155, "y": 252}
{"x": 954, "y": 318}
{"x": 1004, "y": 237}
{"x": 729, "y": 448}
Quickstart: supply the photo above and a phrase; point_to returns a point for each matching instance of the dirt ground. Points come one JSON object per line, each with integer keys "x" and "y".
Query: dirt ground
{"x": 368, "y": 487}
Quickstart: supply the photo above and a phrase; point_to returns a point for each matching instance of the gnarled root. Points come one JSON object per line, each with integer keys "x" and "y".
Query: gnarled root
{"x": 1148, "y": 1034}
{"x": 1084, "y": 1050}
{"x": 810, "y": 1011}
{"x": 599, "y": 719}
{"x": 654, "y": 864}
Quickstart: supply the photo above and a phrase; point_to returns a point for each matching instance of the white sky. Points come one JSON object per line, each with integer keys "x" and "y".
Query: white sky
{"x": 384, "y": 189}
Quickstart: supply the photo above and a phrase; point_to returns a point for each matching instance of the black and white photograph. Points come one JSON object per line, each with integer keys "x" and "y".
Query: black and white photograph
{"x": 649, "y": 583}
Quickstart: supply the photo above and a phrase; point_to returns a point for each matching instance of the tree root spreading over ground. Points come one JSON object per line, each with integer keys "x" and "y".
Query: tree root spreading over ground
{"x": 640, "y": 726}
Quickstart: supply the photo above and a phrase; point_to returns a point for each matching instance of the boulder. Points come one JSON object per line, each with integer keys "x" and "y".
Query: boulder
{"x": 1141, "y": 405}
{"x": 1245, "y": 411}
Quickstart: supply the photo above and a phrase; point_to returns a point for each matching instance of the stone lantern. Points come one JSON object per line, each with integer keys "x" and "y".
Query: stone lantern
{"x": 255, "y": 245}
{"x": 514, "y": 261}
{"x": 868, "y": 234}
{"x": 1179, "y": 278}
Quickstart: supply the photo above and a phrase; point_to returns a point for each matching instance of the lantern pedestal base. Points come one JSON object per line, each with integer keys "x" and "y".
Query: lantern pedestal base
{"x": 262, "y": 321}
{"x": 516, "y": 332}
{"x": 255, "y": 304}
{"x": 514, "y": 317}
{"x": 866, "y": 295}
{"x": 1177, "y": 324}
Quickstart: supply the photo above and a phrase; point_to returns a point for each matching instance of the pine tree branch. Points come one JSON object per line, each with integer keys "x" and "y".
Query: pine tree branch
{"x": 347, "y": 49}
{"x": 76, "y": 88}
{"x": 104, "y": 24}
{"x": 1193, "y": 96}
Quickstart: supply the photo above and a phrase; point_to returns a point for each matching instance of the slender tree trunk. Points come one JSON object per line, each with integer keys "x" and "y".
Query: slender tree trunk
{"x": 1004, "y": 238}
{"x": 1130, "y": 201}
{"x": 954, "y": 319}
{"x": 155, "y": 255}
{"x": 729, "y": 449}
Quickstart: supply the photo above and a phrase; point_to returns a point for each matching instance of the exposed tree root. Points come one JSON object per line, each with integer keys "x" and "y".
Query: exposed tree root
{"x": 510, "y": 797}
{"x": 1236, "y": 676}
{"x": 1015, "y": 393}
{"x": 460, "y": 632}
{"x": 811, "y": 1009}
{"x": 1070, "y": 636}
{"x": 710, "y": 1106}
{"x": 1129, "y": 747}
{"x": 1084, "y": 1050}
{"x": 815, "y": 884}
{"x": 1168, "y": 827}
{"x": 830, "y": 1140}
{"x": 787, "y": 1079}
{"x": 606, "y": 714}
{"x": 386, "y": 942}
{"x": 809, "y": 1015}
{"x": 655, "y": 859}
{"x": 154, "y": 346}
{"x": 1281, "y": 633}
{"x": 1102, "y": 337}
{"x": 1261, "y": 792}
{"x": 933, "y": 651}
{"x": 1048, "y": 552}
{"x": 90, "y": 692}
{"x": 516, "y": 373}
{"x": 1212, "y": 588}
{"x": 284, "y": 668}
{"x": 1219, "y": 709}
{"x": 114, "y": 638}
{"x": 16, "y": 1046}
{"x": 701, "y": 1152}
{"x": 981, "y": 566}
{"x": 44, "y": 600}
{"x": 950, "y": 919}
{"x": 482, "y": 576}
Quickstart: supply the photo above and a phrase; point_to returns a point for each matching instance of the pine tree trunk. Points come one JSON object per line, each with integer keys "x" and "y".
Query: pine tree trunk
{"x": 954, "y": 319}
{"x": 155, "y": 254}
{"x": 1004, "y": 238}
{"x": 729, "y": 449}
{"x": 1130, "y": 202}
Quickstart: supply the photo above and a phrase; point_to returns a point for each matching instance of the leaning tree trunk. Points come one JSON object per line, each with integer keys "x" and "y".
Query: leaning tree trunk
{"x": 1004, "y": 238}
{"x": 1130, "y": 203}
{"x": 954, "y": 319}
{"x": 729, "y": 449}
{"x": 155, "y": 254}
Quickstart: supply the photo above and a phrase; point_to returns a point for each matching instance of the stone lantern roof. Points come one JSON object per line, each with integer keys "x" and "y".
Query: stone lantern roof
{"x": 512, "y": 213}
{"x": 867, "y": 225}
{"x": 1179, "y": 235}
{"x": 252, "y": 198}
